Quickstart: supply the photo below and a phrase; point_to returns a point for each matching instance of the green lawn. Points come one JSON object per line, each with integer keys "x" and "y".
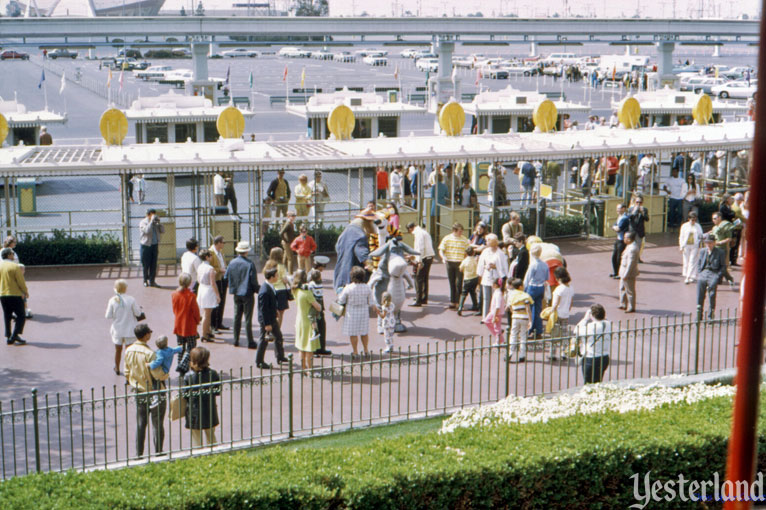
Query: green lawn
{"x": 358, "y": 437}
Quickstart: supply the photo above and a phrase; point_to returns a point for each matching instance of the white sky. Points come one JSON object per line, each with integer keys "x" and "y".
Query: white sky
{"x": 524, "y": 8}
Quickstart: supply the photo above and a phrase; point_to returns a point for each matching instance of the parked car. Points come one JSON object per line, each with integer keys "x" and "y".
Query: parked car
{"x": 321, "y": 55}
{"x": 691, "y": 82}
{"x": 10, "y": 54}
{"x": 736, "y": 73}
{"x": 425, "y": 54}
{"x": 707, "y": 85}
{"x": 344, "y": 56}
{"x": 182, "y": 53}
{"x": 522, "y": 69}
{"x": 566, "y": 59}
{"x": 240, "y": 53}
{"x": 126, "y": 64}
{"x": 294, "y": 52}
{"x": 62, "y": 53}
{"x": 375, "y": 60}
{"x": 153, "y": 73}
{"x": 427, "y": 64}
{"x": 408, "y": 53}
{"x": 495, "y": 72}
{"x": 462, "y": 62}
{"x": 736, "y": 90}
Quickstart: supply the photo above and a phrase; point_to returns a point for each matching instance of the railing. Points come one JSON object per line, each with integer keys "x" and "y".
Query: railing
{"x": 96, "y": 428}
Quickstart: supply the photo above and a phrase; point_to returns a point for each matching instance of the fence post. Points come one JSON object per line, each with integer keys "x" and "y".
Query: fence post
{"x": 36, "y": 424}
{"x": 290, "y": 373}
{"x": 507, "y": 365}
{"x": 697, "y": 341}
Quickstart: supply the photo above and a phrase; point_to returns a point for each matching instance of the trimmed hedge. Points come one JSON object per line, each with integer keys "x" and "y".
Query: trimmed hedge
{"x": 581, "y": 462}
{"x": 555, "y": 226}
{"x": 60, "y": 248}
{"x": 324, "y": 235}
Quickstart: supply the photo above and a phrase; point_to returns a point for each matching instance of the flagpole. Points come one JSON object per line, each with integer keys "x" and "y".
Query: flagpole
{"x": 287, "y": 89}
{"x": 45, "y": 89}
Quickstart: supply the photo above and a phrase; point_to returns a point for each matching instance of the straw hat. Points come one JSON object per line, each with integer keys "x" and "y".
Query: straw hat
{"x": 242, "y": 247}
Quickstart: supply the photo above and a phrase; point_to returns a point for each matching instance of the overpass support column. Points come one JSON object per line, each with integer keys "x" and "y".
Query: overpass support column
{"x": 441, "y": 87}
{"x": 199, "y": 59}
{"x": 665, "y": 63}
{"x": 717, "y": 50}
{"x": 533, "y": 48}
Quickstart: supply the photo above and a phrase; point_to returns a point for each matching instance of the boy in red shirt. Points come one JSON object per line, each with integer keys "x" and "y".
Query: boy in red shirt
{"x": 382, "y": 178}
{"x": 304, "y": 246}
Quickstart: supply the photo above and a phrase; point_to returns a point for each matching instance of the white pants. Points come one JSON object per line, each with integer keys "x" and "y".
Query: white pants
{"x": 518, "y": 340}
{"x": 690, "y": 255}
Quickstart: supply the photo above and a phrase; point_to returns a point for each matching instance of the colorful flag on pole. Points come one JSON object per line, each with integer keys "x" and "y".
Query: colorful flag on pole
{"x": 228, "y": 75}
{"x": 454, "y": 73}
{"x": 396, "y": 72}
{"x": 614, "y": 72}
{"x": 478, "y": 77}
{"x": 63, "y": 83}
{"x": 716, "y": 71}
{"x": 251, "y": 79}
{"x": 303, "y": 77}
{"x": 109, "y": 79}
{"x": 284, "y": 76}
{"x": 42, "y": 79}
{"x": 121, "y": 78}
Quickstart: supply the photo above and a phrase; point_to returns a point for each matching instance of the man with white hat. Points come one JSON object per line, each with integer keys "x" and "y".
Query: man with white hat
{"x": 243, "y": 284}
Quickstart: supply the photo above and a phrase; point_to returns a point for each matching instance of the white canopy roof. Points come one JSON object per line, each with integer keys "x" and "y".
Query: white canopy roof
{"x": 17, "y": 115}
{"x": 510, "y": 101}
{"x": 172, "y": 107}
{"x": 363, "y": 104}
{"x": 327, "y": 154}
{"x": 676, "y": 102}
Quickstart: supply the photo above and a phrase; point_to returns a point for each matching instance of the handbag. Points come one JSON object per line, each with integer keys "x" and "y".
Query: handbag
{"x": 337, "y": 309}
{"x": 177, "y": 407}
{"x": 141, "y": 317}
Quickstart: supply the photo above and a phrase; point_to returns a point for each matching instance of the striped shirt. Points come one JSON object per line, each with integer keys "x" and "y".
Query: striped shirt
{"x": 453, "y": 247}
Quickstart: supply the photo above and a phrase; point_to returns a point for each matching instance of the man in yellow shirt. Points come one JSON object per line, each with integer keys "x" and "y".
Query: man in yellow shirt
{"x": 303, "y": 197}
{"x": 13, "y": 291}
{"x": 452, "y": 252}
{"x": 139, "y": 376}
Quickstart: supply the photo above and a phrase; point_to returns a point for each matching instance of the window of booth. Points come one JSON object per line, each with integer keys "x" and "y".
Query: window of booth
{"x": 501, "y": 124}
{"x": 186, "y": 131}
{"x": 363, "y": 128}
{"x": 24, "y": 134}
{"x": 210, "y": 131}
{"x": 525, "y": 125}
{"x": 157, "y": 132}
{"x": 388, "y": 126}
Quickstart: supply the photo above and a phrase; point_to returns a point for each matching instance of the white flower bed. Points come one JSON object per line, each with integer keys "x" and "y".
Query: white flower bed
{"x": 591, "y": 399}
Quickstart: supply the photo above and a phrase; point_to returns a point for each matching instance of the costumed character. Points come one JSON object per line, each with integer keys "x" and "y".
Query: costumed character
{"x": 352, "y": 248}
{"x": 397, "y": 268}
{"x": 392, "y": 248}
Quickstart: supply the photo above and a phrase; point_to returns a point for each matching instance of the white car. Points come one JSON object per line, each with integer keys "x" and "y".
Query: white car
{"x": 427, "y": 65}
{"x": 371, "y": 52}
{"x": 239, "y": 52}
{"x": 408, "y": 53}
{"x": 153, "y": 73}
{"x": 691, "y": 82}
{"x": 708, "y": 83}
{"x": 566, "y": 59}
{"x": 522, "y": 69}
{"x": 293, "y": 52}
{"x": 375, "y": 60}
{"x": 344, "y": 56}
{"x": 736, "y": 89}
{"x": 462, "y": 62}
{"x": 321, "y": 55}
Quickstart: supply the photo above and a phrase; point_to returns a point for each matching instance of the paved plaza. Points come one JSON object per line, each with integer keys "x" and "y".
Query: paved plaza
{"x": 70, "y": 348}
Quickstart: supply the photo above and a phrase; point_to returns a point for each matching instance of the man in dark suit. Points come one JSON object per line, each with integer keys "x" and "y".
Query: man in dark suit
{"x": 267, "y": 318}
{"x": 628, "y": 272}
{"x": 243, "y": 283}
{"x": 711, "y": 267}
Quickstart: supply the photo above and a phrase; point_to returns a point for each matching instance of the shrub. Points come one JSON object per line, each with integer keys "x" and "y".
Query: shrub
{"x": 60, "y": 248}
{"x": 555, "y": 226}
{"x": 579, "y": 462}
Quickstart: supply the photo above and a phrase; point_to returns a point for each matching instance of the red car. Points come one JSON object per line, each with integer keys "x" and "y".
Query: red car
{"x": 10, "y": 54}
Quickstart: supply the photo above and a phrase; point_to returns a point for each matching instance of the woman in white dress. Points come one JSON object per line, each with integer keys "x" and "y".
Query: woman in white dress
{"x": 689, "y": 242}
{"x": 357, "y": 298}
{"x": 207, "y": 294}
{"x": 124, "y": 312}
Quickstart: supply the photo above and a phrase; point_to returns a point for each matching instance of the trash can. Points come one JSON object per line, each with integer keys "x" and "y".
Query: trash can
{"x": 27, "y": 195}
{"x": 597, "y": 215}
{"x": 538, "y": 228}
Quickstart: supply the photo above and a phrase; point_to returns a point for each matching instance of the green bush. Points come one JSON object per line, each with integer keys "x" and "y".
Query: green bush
{"x": 706, "y": 210}
{"x": 580, "y": 462}
{"x": 60, "y": 248}
{"x": 555, "y": 226}
{"x": 324, "y": 235}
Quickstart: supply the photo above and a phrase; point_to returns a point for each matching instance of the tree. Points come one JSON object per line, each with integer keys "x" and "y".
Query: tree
{"x": 310, "y": 8}
{"x": 200, "y": 10}
{"x": 183, "y": 11}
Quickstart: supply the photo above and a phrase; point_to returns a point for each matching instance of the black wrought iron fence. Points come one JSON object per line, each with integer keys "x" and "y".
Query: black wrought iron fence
{"x": 96, "y": 428}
